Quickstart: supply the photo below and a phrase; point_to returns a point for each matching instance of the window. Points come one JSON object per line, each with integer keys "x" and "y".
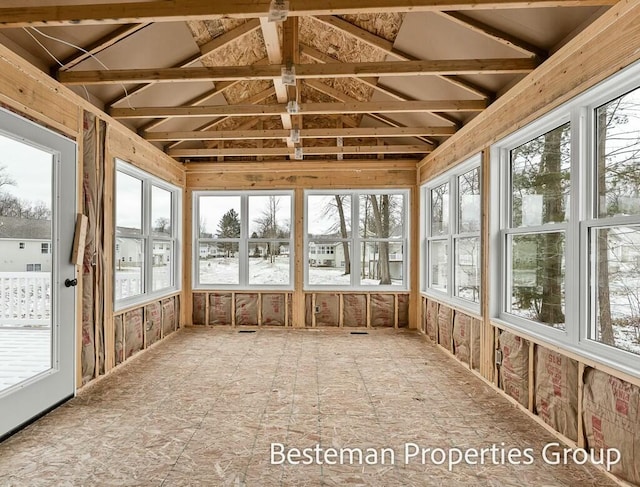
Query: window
{"x": 614, "y": 232}
{"x": 45, "y": 247}
{"x": 452, "y": 231}
{"x": 34, "y": 267}
{"x": 356, "y": 239}
{"x": 147, "y": 212}
{"x": 568, "y": 224}
{"x": 535, "y": 231}
{"x": 21, "y": 245}
{"x": 243, "y": 240}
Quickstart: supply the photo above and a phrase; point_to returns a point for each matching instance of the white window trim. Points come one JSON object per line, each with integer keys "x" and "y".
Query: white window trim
{"x": 578, "y": 313}
{"x": 149, "y": 180}
{"x": 243, "y": 241}
{"x": 453, "y": 235}
{"x": 355, "y": 241}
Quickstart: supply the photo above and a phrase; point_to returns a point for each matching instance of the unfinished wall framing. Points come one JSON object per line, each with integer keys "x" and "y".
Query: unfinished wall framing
{"x": 585, "y": 402}
{"x": 101, "y": 334}
{"x": 322, "y": 309}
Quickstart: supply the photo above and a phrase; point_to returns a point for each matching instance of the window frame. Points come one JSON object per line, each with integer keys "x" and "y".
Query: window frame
{"x": 147, "y": 236}
{"x": 244, "y": 241}
{"x": 356, "y": 240}
{"x": 453, "y": 236}
{"x": 580, "y": 282}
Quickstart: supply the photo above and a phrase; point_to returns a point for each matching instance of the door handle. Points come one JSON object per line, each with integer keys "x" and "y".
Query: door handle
{"x": 70, "y": 282}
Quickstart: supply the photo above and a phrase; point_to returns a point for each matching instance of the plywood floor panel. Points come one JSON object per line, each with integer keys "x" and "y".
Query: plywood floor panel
{"x": 204, "y": 408}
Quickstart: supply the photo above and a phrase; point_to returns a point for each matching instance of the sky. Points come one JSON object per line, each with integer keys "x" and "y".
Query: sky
{"x": 29, "y": 167}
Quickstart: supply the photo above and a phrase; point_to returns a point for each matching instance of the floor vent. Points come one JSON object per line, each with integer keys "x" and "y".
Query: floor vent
{"x": 246, "y": 331}
{"x": 359, "y": 332}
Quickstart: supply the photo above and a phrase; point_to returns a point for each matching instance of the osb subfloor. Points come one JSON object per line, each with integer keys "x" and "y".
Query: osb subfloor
{"x": 204, "y": 407}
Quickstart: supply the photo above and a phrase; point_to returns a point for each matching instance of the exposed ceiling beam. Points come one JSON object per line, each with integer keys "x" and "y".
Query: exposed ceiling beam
{"x": 343, "y": 97}
{"x": 322, "y": 133}
{"x": 205, "y": 50}
{"x": 321, "y": 57}
{"x": 303, "y": 71}
{"x": 257, "y": 98}
{"x": 308, "y": 151}
{"x": 101, "y": 44}
{"x": 200, "y": 99}
{"x": 495, "y": 34}
{"x": 386, "y": 46}
{"x": 274, "y": 53}
{"x": 246, "y": 110}
{"x": 181, "y": 10}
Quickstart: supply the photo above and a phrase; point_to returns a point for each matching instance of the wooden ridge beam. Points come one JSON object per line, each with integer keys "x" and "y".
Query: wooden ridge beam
{"x": 183, "y": 10}
{"x": 309, "y": 151}
{"x": 495, "y": 34}
{"x": 101, "y": 44}
{"x": 321, "y": 133}
{"x": 305, "y": 109}
{"x": 303, "y": 71}
{"x": 206, "y": 49}
{"x": 386, "y": 46}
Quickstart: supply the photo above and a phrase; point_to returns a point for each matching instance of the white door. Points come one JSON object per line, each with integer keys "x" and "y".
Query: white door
{"x": 37, "y": 309}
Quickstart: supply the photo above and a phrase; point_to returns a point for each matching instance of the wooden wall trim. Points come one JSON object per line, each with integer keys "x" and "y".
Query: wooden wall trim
{"x": 609, "y": 44}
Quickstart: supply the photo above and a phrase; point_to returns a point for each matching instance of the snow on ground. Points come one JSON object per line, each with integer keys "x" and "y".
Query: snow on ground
{"x": 23, "y": 354}
{"x": 261, "y": 271}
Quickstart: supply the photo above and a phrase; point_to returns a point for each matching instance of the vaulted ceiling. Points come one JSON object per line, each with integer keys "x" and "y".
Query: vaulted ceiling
{"x": 305, "y": 79}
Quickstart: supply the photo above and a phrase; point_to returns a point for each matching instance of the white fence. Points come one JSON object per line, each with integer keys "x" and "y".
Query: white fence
{"x": 25, "y": 298}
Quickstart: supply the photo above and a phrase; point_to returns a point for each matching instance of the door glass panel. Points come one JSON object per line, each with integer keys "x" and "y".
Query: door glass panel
{"x": 26, "y": 249}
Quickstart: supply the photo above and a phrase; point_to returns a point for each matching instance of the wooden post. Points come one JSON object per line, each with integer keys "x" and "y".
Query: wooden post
{"x": 532, "y": 376}
{"x": 207, "y": 301}
{"x": 233, "y": 309}
{"x": 341, "y": 310}
{"x": 79, "y": 270}
{"x": 298, "y": 293}
{"x": 313, "y": 310}
{"x": 259, "y": 309}
{"x": 488, "y": 341}
{"x": 396, "y": 306}
{"x": 581, "y": 439}
{"x": 186, "y": 306}
{"x": 368, "y": 310}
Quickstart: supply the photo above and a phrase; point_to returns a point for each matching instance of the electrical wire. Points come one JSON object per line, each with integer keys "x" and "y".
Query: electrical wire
{"x": 81, "y": 49}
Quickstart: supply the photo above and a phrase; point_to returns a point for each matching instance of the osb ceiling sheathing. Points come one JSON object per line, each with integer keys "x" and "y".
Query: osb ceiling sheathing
{"x": 330, "y": 43}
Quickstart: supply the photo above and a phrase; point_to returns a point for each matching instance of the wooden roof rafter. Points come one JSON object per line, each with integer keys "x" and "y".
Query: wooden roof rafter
{"x": 257, "y": 98}
{"x": 321, "y": 57}
{"x": 182, "y": 10}
{"x": 386, "y": 46}
{"x": 210, "y": 47}
{"x": 108, "y": 40}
